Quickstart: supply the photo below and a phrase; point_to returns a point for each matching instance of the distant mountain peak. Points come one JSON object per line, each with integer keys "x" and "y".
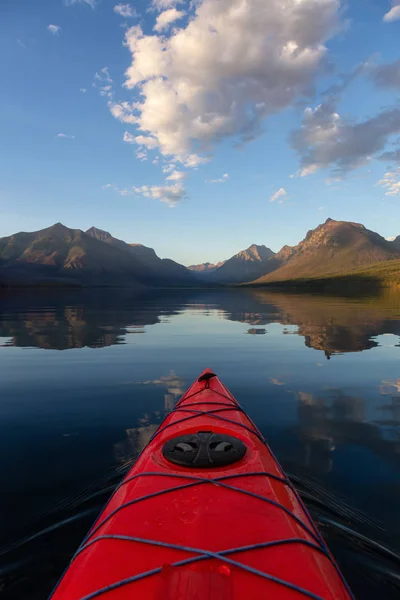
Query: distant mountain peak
{"x": 330, "y": 221}
{"x": 206, "y": 268}
{"x": 255, "y": 252}
{"x": 99, "y": 234}
{"x": 246, "y": 265}
{"x": 333, "y": 222}
{"x": 332, "y": 232}
{"x": 58, "y": 227}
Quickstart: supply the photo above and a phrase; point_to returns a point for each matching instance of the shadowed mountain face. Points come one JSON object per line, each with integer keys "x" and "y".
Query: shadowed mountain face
{"x": 396, "y": 242}
{"x": 60, "y": 255}
{"x": 164, "y": 270}
{"x": 333, "y": 247}
{"x": 245, "y": 265}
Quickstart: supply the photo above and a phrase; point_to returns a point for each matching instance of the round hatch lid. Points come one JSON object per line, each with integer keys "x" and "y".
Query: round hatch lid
{"x": 204, "y": 449}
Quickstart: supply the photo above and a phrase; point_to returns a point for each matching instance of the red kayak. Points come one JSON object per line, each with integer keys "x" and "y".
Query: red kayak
{"x": 205, "y": 513}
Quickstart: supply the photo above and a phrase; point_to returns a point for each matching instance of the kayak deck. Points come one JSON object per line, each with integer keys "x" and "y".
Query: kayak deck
{"x": 183, "y": 525}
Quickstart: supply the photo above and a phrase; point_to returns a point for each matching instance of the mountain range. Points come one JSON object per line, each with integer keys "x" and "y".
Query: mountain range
{"x": 332, "y": 248}
{"x": 59, "y": 255}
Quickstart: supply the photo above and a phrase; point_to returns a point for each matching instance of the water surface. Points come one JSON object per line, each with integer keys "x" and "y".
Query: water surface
{"x": 86, "y": 377}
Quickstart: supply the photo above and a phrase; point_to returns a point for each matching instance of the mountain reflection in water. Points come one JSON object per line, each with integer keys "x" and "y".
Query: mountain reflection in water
{"x": 137, "y": 438}
{"x": 326, "y": 422}
{"x": 60, "y": 321}
{"x": 74, "y": 421}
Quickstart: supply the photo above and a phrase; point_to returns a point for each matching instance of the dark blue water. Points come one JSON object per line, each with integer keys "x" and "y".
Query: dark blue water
{"x": 85, "y": 378}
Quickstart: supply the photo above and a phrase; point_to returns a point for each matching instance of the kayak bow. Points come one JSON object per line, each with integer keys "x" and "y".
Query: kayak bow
{"x": 205, "y": 513}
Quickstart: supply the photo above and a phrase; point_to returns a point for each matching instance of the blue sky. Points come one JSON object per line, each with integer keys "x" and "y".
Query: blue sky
{"x": 266, "y": 119}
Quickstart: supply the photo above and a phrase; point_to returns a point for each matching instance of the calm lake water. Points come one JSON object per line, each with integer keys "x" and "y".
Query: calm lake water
{"x": 85, "y": 378}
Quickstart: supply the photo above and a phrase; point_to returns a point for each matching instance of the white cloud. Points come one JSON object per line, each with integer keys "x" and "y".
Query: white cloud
{"x": 391, "y": 182}
{"x": 103, "y": 75}
{"x": 167, "y": 17}
{"x": 390, "y": 239}
{"x": 125, "y": 10}
{"x": 169, "y": 194}
{"x": 308, "y": 170}
{"x": 115, "y": 188}
{"x": 147, "y": 141}
{"x": 193, "y": 160}
{"x": 142, "y": 155}
{"x": 281, "y": 193}
{"x": 104, "y": 82}
{"x": 326, "y": 140}
{"x": 123, "y": 112}
{"x": 233, "y": 64}
{"x": 54, "y": 29}
{"x": 394, "y": 13}
{"x": 222, "y": 179}
{"x": 142, "y": 140}
{"x": 91, "y": 3}
{"x": 83, "y": 90}
{"x": 106, "y": 90}
{"x": 64, "y": 135}
{"x": 129, "y": 138}
{"x": 163, "y": 4}
{"x": 168, "y": 167}
{"x": 176, "y": 176}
